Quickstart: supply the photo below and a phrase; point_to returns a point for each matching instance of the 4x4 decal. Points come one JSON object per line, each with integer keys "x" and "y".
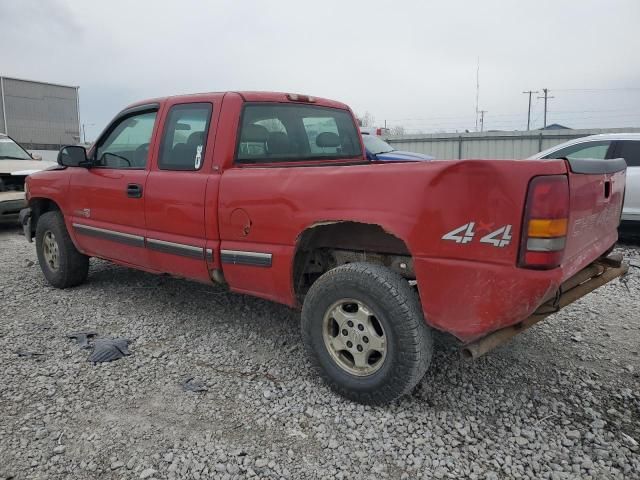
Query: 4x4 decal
{"x": 468, "y": 235}
{"x": 465, "y": 234}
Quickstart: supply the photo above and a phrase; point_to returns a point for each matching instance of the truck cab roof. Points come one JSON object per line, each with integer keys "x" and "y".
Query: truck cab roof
{"x": 249, "y": 96}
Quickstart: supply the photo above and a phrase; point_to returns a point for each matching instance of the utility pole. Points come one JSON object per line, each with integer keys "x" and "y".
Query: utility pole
{"x": 546, "y": 97}
{"x": 84, "y": 131}
{"x": 482, "y": 112}
{"x": 477, "y": 91}
{"x": 529, "y": 111}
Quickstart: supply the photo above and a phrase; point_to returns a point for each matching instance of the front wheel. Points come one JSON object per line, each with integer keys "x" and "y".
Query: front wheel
{"x": 363, "y": 327}
{"x": 61, "y": 263}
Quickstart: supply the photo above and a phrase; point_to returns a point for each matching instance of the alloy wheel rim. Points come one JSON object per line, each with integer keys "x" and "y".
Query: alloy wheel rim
{"x": 50, "y": 250}
{"x": 354, "y": 337}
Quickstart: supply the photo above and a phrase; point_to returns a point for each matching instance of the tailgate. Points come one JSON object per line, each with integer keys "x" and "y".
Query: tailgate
{"x": 596, "y": 196}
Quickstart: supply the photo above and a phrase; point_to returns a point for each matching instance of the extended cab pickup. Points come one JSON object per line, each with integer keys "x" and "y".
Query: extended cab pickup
{"x": 272, "y": 195}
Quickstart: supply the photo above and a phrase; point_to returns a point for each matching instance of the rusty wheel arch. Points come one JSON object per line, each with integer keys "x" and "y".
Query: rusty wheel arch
{"x": 328, "y": 244}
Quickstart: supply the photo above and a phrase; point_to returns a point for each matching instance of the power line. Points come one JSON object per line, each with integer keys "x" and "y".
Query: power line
{"x": 619, "y": 89}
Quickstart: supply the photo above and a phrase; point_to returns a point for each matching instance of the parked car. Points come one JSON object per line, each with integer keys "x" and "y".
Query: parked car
{"x": 378, "y": 149}
{"x": 604, "y": 147}
{"x": 15, "y": 164}
{"x": 272, "y": 195}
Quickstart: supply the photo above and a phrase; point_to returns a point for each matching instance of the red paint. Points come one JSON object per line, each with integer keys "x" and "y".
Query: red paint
{"x": 466, "y": 289}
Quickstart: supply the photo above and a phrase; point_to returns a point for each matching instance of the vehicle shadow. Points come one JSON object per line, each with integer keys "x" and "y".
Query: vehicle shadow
{"x": 10, "y": 224}
{"x": 629, "y": 234}
{"x": 268, "y": 334}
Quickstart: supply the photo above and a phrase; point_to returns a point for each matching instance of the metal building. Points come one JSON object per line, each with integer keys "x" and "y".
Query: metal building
{"x": 40, "y": 116}
{"x": 497, "y": 145}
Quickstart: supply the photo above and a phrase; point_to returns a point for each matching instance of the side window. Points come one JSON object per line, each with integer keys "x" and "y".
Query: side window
{"x": 127, "y": 145}
{"x": 596, "y": 150}
{"x": 185, "y": 137}
{"x": 630, "y": 151}
{"x": 276, "y": 132}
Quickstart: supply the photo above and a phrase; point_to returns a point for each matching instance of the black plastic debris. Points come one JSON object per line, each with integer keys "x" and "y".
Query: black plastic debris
{"x": 24, "y": 353}
{"x": 109, "y": 349}
{"x": 82, "y": 338}
{"x": 193, "y": 385}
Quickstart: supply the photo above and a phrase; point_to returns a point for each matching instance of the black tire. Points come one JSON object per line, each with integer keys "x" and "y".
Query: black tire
{"x": 409, "y": 344}
{"x": 72, "y": 266}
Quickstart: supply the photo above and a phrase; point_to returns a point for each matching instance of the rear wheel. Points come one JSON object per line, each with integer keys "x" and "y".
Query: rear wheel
{"x": 61, "y": 263}
{"x": 363, "y": 327}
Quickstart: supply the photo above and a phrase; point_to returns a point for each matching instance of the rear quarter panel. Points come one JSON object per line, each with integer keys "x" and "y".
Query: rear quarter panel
{"x": 466, "y": 289}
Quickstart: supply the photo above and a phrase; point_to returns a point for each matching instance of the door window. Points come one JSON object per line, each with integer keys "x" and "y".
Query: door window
{"x": 127, "y": 144}
{"x": 630, "y": 151}
{"x": 185, "y": 137}
{"x": 597, "y": 150}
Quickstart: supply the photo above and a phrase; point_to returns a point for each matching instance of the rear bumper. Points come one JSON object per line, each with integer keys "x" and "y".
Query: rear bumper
{"x": 598, "y": 273}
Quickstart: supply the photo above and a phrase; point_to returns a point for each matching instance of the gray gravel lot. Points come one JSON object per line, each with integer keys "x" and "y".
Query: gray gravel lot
{"x": 561, "y": 401}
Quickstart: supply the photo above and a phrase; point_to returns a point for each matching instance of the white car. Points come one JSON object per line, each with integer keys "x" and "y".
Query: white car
{"x": 604, "y": 146}
{"x": 15, "y": 164}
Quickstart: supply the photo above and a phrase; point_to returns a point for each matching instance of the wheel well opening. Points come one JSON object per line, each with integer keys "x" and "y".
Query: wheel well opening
{"x": 40, "y": 206}
{"x": 328, "y": 245}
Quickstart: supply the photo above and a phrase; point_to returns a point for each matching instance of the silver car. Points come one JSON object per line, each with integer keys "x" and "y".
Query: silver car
{"x": 15, "y": 164}
{"x": 604, "y": 146}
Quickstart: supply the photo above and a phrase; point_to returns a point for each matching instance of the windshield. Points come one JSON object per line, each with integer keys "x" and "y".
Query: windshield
{"x": 10, "y": 150}
{"x": 376, "y": 145}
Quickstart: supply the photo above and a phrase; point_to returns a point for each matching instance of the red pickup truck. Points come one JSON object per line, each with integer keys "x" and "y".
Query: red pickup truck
{"x": 272, "y": 195}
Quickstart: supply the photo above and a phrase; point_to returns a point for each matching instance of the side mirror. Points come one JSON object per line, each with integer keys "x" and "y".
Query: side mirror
{"x": 73, "y": 156}
{"x": 35, "y": 156}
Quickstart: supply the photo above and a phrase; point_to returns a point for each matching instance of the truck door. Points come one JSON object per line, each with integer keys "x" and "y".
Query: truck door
{"x": 107, "y": 200}
{"x": 181, "y": 192}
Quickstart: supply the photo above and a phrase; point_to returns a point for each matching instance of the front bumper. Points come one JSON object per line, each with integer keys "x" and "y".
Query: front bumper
{"x": 11, "y": 204}
{"x": 595, "y": 275}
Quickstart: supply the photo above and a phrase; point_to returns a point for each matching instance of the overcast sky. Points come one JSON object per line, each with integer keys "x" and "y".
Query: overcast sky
{"x": 411, "y": 63}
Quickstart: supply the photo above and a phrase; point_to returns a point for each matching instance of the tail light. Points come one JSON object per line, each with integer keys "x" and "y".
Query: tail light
{"x": 546, "y": 219}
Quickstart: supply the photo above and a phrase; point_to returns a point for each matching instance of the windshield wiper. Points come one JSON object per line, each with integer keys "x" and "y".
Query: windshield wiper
{"x": 9, "y": 157}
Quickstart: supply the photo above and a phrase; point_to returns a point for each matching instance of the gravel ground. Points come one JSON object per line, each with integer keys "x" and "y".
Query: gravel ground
{"x": 561, "y": 401}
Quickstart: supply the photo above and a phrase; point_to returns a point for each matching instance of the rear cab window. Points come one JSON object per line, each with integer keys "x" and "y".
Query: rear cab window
{"x": 277, "y": 132}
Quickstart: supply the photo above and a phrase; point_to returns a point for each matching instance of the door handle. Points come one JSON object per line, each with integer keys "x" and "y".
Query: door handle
{"x": 134, "y": 190}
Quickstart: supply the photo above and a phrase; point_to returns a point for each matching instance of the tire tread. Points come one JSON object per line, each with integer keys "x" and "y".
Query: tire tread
{"x": 412, "y": 332}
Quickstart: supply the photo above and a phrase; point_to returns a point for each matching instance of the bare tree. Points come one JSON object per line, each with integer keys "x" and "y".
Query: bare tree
{"x": 397, "y": 130}
{"x": 366, "y": 120}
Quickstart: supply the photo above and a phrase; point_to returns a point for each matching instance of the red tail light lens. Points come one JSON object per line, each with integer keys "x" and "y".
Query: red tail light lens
{"x": 546, "y": 218}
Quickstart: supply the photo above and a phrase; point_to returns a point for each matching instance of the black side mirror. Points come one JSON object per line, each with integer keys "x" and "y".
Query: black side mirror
{"x": 73, "y": 156}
